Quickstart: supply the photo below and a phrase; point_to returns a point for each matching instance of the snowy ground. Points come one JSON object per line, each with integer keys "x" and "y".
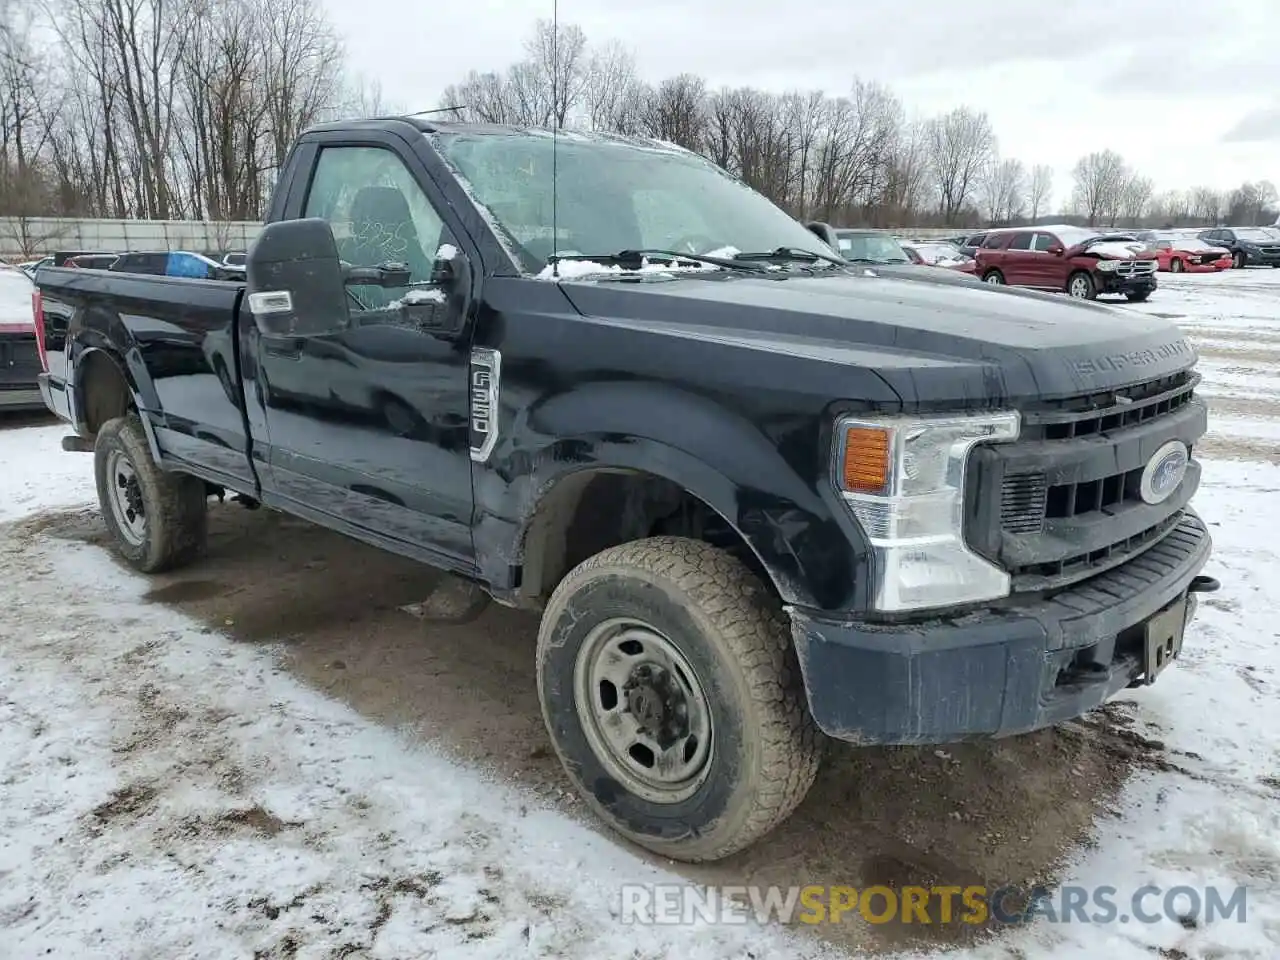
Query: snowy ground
{"x": 179, "y": 777}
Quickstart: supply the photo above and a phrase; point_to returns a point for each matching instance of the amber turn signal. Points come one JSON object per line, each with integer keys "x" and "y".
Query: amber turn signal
{"x": 866, "y": 459}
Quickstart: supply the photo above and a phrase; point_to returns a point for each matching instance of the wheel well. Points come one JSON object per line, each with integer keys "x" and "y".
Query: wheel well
{"x": 105, "y": 391}
{"x": 592, "y": 510}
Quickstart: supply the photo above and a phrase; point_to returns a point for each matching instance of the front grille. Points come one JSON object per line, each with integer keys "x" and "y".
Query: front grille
{"x": 1134, "y": 268}
{"x": 1041, "y": 576}
{"x": 1270, "y": 251}
{"x": 1063, "y": 502}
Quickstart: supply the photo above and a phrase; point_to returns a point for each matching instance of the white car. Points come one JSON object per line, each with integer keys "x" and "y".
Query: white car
{"x": 19, "y": 356}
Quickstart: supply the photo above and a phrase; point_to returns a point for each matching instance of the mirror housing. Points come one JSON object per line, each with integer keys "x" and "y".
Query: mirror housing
{"x": 825, "y": 233}
{"x": 295, "y": 283}
{"x": 1056, "y": 249}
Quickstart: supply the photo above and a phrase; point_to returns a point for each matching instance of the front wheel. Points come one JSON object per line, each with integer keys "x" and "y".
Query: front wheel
{"x": 672, "y": 694}
{"x": 157, "y": 519}
{"x": 994, "y": 277}
{"x": 1081, "y": 286}
{"x": 1238, "y": 260}
{"x": 1175, "y": 266}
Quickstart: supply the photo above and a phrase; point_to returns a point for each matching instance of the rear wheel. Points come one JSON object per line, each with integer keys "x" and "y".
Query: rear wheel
{"x": 1081, "y": 286}
{"x": 672, "y": 694}
{"x": 157, "y": 519}
{"x": 993, "y": 277}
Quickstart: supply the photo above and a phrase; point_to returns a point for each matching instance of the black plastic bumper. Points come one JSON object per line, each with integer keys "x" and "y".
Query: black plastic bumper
{"x": 1114, "y": 283}
{"x": 999, "y": 672}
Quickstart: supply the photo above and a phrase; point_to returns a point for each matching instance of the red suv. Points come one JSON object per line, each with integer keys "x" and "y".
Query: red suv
{"x": 1076, "y": 260}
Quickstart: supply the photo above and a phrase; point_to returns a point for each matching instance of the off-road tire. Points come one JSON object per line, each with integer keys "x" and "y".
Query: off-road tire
{"x": 766, "y": 748}
{"x": 175, "y": 504}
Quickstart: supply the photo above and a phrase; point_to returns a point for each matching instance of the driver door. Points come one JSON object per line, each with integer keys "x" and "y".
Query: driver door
{"x": 367, "y": 423}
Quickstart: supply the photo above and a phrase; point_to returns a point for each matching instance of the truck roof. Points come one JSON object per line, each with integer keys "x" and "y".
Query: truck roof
{"x": 427, "y": 125}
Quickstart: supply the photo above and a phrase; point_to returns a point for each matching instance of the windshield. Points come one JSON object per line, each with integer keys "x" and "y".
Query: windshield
{"x": 1257, "y": 233}
{"x": 613, "y": 196}
{"x": 870, "y": 246}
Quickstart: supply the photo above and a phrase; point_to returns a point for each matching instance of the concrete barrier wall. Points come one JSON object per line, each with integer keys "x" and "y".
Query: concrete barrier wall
{"x": 21, "y": 238}
{"x": 37, "y": 236}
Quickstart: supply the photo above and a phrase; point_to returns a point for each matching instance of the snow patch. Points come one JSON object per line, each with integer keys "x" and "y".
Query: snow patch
{"x": 578, "y": 269}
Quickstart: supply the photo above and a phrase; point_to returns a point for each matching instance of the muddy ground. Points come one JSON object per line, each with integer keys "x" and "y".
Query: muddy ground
{"x": 1003, "y": 812}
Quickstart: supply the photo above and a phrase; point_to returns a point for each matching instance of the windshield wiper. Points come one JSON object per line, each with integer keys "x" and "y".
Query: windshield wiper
{"x": 634, "y": 259}
{"x": 792, "y": 253}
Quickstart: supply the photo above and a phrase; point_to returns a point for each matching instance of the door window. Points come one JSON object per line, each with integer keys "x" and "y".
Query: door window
{"x": 993, "y": 242}
{"x": 1043, "y": 242}
{"x": 379, "y": 214}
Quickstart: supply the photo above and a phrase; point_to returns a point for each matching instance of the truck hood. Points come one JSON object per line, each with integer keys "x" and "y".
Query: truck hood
{"x": 933, "y": 340}
{"x": 1114, "y": 250}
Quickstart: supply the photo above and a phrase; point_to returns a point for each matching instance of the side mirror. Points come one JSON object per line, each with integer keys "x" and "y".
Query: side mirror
{"x": 825, "y": 233}
{"x": 1056, "y": 249}
{"x": 295, "y": 283}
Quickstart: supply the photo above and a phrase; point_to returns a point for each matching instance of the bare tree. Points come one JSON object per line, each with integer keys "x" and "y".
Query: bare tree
{"x": 960, "y": 145}
{"x": 1040, "y": 190}
{"x": 1002, "y": 189}
{"x": 1099, "y": 181}
{"x": 1253, "y": 204}
{"x": 1135, "y": 198}
{"x": 1207, "y": 204}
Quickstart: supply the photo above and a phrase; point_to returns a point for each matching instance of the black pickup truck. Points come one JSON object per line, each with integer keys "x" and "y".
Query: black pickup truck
{"x": 759, "y": 493}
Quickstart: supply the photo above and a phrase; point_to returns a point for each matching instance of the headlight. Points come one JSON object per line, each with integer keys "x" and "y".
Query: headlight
{"x": 1109, "y": 266}
{"x": 904, "y": 478}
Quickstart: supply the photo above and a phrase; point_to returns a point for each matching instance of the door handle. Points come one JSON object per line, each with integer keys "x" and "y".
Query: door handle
{"x": 290, "y": 348}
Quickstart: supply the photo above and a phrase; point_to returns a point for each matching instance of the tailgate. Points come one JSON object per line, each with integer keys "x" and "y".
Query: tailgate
{"x": 19, "y": 361}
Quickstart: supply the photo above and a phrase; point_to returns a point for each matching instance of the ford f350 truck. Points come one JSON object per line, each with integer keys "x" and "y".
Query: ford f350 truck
{"x": 759, "y": 494}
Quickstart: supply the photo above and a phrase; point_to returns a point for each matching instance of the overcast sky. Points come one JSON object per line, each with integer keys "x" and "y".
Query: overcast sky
{"x": 1188, "y": 92}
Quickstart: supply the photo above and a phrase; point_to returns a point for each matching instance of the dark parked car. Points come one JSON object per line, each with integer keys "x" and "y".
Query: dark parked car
{"x": 92, "y": 261}
{"x": 1081, "y": 262}
{"x": 175, "y": 263}
{"x": 1249, "y": 246}
{"x": 758, "y": 493}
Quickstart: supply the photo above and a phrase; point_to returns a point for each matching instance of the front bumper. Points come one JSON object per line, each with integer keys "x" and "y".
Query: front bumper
{"x": 998, "y": 672}
{"x": 1261, "y": 259}
{"x": 1115, "y": 283}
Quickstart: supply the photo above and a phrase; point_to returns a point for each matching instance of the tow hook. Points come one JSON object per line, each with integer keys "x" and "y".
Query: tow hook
{"x": 74, "y": 444}
{"x": 1199, "y": 585}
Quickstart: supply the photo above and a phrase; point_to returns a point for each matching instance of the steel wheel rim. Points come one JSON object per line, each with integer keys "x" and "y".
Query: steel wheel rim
{"x": 643, "y": 711}
{"x": 1080, "y": 287}
{"x": 124, "y": 495}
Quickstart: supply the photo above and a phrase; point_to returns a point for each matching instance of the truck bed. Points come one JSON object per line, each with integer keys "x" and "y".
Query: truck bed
{"x": 177, "y": 338}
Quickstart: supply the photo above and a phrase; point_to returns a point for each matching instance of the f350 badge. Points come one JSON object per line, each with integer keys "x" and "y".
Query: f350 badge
{"x": 484, "y": 380}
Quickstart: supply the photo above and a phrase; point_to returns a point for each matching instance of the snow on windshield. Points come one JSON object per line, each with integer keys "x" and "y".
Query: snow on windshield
{"x": 579, "y": 269}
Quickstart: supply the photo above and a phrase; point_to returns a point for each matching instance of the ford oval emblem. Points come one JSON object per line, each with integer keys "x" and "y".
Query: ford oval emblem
{"x": 1163, "y": 472}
